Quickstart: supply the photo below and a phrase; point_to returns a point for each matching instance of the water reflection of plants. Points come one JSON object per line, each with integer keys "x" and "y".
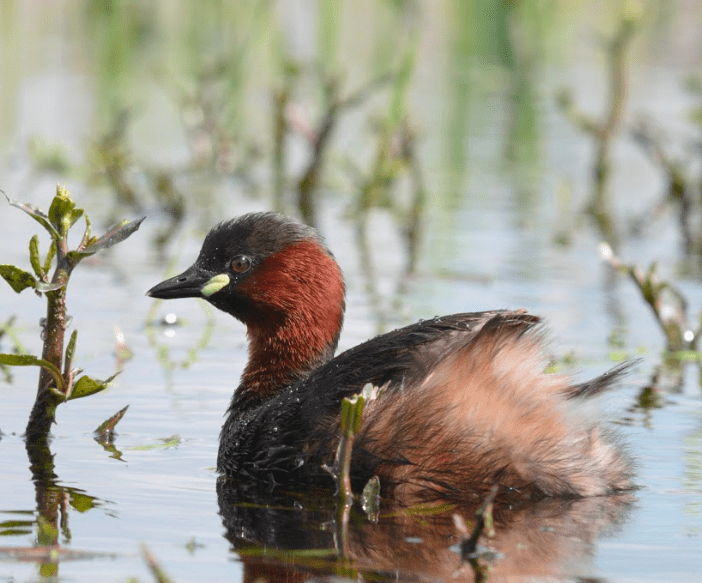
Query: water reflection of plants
{"x": 679, "y": 165}
{"x": 603, "y": 132}
{"x": 49, "y": 522}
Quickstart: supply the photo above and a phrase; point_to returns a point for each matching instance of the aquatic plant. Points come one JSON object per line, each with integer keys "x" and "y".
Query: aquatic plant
{"x": 605, "y": 130}
{"x": 59, "y": 381}
{"x": 667, "y": 303}
{"x": 351, "y": 419}
{"x": 395, "y": 158}
{"x": 679, "y": 165}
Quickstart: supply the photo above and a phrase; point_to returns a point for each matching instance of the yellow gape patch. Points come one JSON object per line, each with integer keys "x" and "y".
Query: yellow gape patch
{"x": 215, "y": 284}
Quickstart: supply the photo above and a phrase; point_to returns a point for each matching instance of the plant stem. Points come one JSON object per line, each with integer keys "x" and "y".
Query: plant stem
{"x": 43, "y": 413}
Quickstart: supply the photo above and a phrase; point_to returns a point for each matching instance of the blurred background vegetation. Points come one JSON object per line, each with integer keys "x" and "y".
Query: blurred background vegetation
{"x": 180, "y": 109}
{"x": 151, "y": 97}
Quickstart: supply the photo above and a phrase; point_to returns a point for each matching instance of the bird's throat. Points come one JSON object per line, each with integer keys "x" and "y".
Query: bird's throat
{"x": 283, "y": 355}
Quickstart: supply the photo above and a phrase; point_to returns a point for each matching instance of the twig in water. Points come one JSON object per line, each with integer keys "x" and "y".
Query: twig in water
{"x": 667, "y": 303}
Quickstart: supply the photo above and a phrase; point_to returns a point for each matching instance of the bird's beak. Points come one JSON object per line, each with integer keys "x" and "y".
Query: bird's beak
{"x": 194, "y": 282}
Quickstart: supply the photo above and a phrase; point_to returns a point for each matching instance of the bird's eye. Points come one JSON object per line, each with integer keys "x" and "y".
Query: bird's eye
{"x": 240, "y": 264}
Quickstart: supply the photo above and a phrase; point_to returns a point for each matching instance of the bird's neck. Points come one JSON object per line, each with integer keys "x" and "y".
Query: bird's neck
{"x": 284, "y": 354}
{"x": 297, "y": 310}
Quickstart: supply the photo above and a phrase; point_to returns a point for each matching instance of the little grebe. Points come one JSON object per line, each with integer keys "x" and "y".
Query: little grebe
{"x": 464, "y": 401}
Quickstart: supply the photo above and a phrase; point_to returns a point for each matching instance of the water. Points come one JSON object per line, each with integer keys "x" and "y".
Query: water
{"x": 489, "y": 243}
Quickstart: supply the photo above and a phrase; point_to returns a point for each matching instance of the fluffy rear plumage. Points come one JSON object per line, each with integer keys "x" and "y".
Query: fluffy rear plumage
{"x": 487, "y": 414}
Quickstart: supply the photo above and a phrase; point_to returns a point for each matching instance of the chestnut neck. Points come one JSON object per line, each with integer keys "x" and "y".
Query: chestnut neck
{"x": 298, "y": 309}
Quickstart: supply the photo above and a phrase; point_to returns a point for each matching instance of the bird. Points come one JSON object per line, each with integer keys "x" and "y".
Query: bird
{"x": 462, "y": 403}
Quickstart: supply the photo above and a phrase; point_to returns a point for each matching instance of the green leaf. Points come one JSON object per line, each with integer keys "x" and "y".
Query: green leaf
{"x": 50, "y": 256}
{"x": 37, "y": 214}
{"x": 17, "y": 278}
{"x": 20, "y": 280}
{"x": 29, "y": 360}
{"x": 34, "y": 255}
{"x": 75, "y": 257}
{"x": 62, "y": 212}
{"x": 115, "y": 235}
{"x": 108, "y": 426}
{"x": 70, "y": 350}
{"x": 86, "y": 386}
{"x": 87, "y": 234}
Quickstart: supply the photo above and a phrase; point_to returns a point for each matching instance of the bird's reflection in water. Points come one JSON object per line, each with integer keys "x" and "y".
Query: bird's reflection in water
{"x": 297, "y": 537}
